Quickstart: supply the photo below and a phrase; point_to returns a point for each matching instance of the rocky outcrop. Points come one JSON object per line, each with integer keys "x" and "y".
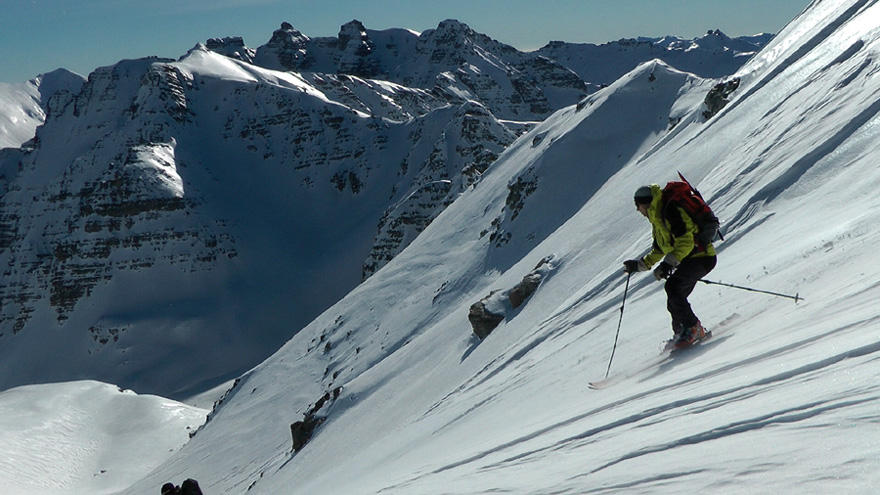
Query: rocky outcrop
{"x": 357, "y": 58}
{"x": 232, "y": 47}
{"x": 717, "y": 97}
{"x": 482, "y": 319}
{"x": 301, "y": 431}
{"x": 486, "y": 314}
{"x": 452, "y": 61}
{"x": 286, "y": 50}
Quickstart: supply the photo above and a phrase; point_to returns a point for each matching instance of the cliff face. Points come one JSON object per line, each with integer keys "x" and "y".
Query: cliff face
{"x": 208, "y": 209}
{"x": 452, "y": 59}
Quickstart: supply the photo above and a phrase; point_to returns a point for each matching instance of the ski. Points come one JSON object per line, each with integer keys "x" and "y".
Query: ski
{"x": 667, "y": 352}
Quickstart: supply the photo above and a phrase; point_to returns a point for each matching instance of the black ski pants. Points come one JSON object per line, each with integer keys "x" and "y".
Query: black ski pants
{"x": 679, "y": 286}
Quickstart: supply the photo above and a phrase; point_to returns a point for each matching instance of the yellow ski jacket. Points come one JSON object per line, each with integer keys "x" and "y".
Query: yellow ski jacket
{"x": 674, "y": 233}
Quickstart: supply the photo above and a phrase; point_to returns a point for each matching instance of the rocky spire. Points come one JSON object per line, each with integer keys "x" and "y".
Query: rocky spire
{"x": 286, "y": 50}
{"x": 357, "y": 47}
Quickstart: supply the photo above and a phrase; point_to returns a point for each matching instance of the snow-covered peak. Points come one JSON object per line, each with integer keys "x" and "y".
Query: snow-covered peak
{"x": 23, "y": 106}
{"x": 712, "y": 55}
{"x": 450, "y": 29}
{"x": 286, "y": 50}
{"x": 232, "y": 47}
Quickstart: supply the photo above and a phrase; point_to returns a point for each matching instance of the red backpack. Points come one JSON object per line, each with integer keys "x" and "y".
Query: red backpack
{"x": 681, "y": 193}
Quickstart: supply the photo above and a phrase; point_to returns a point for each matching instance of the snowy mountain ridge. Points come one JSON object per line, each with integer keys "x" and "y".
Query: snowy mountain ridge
{"x": 23, "y": 106}
{"x": 440, "y": 55}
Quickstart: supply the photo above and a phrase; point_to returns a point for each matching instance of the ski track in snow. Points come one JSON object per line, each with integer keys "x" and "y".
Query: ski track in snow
{"x": 498, "y": 456}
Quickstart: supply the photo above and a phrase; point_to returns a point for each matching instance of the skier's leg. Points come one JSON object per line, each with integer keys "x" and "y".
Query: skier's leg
{"x": 680, "y": 285}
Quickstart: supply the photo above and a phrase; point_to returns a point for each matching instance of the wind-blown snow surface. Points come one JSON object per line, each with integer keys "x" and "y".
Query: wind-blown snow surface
{"x": 86, "y": 437}
{"x": 782, "y": 398}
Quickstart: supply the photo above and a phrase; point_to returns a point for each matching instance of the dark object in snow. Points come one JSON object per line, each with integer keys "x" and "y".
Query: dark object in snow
{"x": 717, "y": 97}
{"x": 301, "y": 431}
{"x": 797, "y": 297}
{"x": 189, "y": 487}
{"x": 524, "y": 289}
{"x": 483, "y": 321}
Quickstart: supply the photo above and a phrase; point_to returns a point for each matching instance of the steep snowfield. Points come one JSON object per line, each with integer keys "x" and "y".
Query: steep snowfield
{"x": 782, "y": 398}
{"x": 20, "y": 113}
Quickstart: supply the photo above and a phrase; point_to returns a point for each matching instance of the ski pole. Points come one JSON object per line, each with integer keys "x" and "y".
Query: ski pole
{"x": 623, "y": 305}
{"x": 796, "y": 297}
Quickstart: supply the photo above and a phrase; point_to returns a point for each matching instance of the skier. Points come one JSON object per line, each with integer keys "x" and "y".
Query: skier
{"x": 684, "y": 260}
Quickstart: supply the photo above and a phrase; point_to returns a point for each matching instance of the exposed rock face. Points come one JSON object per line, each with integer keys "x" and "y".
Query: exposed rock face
{"x": 452, "y": 60}
{"x": 483, "y": 321}
{"x": 472, "y": 141}
{"x": 232, "y": 47}
{"x": 286, "y": 50}
{"x": 93, "y": 210}
{"x": 486, "y": 314}
{"x": 357, "y": 52}
{"x": 301, "y": 431}
{"x": 717, "y": 98}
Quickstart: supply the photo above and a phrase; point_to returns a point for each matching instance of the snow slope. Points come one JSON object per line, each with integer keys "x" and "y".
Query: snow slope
{"x": 781, "y": 399}
{"x": 86, "y": 437}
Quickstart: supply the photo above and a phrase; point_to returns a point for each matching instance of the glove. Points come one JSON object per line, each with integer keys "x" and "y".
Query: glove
{"x": 663, "y": 271}
{"x": 630, "y": 266}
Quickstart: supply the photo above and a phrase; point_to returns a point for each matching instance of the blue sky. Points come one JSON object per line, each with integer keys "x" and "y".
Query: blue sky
{"x": 38, "y": 36}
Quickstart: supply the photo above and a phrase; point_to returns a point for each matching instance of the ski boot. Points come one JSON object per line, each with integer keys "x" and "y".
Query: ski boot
{"x": 690, "y": 336}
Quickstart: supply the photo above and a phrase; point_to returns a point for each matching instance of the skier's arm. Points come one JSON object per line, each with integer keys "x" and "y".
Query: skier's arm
{"x": 653, "y": 257}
